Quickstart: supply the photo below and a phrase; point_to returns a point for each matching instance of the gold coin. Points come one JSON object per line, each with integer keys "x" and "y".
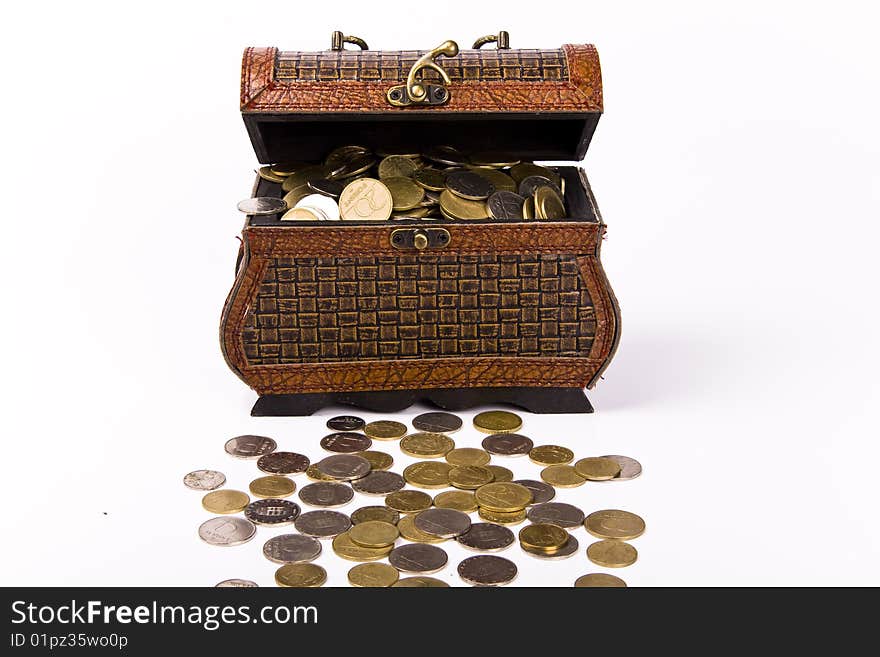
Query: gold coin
{"x": 460, "y": 500}
{"x": 428, "y": 474}
{"x": 225, "y": 501}
{"x": 543, "y": 537}
{"x": 379, "y": 575}
{"x": 470, "y": 477}
{"x": 491, "y": 159}
{"x": 366, "y": 199}
{"x": 414, "y": 213}
{"x": 599, "y": 580}
{"x": 367, "y": 513}
{"x": 562, "y": 476}
{"x": 348, "y": 549}
{"x": 502, "y": 518}
{"x": 501, "y": 181}
{"x": 431, "y": 179}
{"x": 548, "y": 204}
{"x": 551, "y": 455}
{"x": 385, "y": 430}
{"x": 595, "y": 468}
{"x": 497, "y": 422}
{"x": 612, "y": 554}
{"x": 410, "y": 532}
{"x": 266, "y": 174}
{"x": 378, "y": 460}
{"x": 426, "y": 445}
{"x": 468, "y": 456}
{"x": 300, "y": 575}
{"x": 457, "y": 207}
{"x": 523, "y": 170}
{"x": 285, "y": 169}
{"x": 503, "y": 497}
{"x": 420, "y": 581}
{"x": 405, "y": 193}
{"x": 529, "y": 208}
{"x": 314, "y": 474}
{"x": 408, "y": 501}
{"x": 304, "y": 213}
{"x": 395, "y": 166}
{"x": 613, "y": 523}
{"x": 272, "y": 486}
{"x": 500, "y": 474}
{"x": 374, "y": 534}
{"x": 303, "y": 176}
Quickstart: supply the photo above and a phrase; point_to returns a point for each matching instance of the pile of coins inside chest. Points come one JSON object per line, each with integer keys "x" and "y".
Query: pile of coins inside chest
{"x": 408, "y": 527}
{"x": 353, "y": 183}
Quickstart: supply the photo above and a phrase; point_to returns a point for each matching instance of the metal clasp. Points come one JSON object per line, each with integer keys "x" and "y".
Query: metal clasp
{"x": 420, "y": 238}
{"x": 502, "y": 39}
{"x": 418, "y": 92}
{"x": 338, "y": 40}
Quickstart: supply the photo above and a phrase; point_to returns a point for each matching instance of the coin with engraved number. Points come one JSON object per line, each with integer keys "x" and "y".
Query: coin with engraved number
{"x": 227, "y": 532}
{"x": 507, "y": 444}
{"x": 381, "y": 482}
{"x": 204, "y": 480}
{"x": 366, "y": 513}
{"x": 272, "y": 486}
{"x": 486, "y": 537}
{"x": 629, "y": 467}
{"x": 543, "y": 537}
{"x": 487, "y": 570}
{"x": 344, "y": 467}
{"x": 420, "y": 583}
{"x": 418, "y": 558}
{"x": 551, "y": 455}
{"x": 505, "y": 497}
{"x": 373, "y": 575}
{"x": 502, "y": 517}
{"x": 374, "y": 534}
{"x": 345, "y": 423}
{"x": 291, "y": 548}
{"x": 250, "y": 447}
{"x": 556, "y": 513}
{"x": 614, "y": 523}
{"x": 272, "y": 512}
{"x": 497, "y": 422}
{"x": 225, "y": 501}
{"x": 346, "y": 442}
{"x": 562, "y": 476}
{"x": 541, "y": 492}
{"x": 385, "y": 430}
{"x": 499, "y": 474}
{"x": 409, "y": 531}
{"x": 599, "y": 580}
{"x": 426, "y": 445}
{"x": 470, "y": 477}
{"x": 326, "y": 494}
{"x": 377, "y": 460}
{"x": 437, "y": 422}
{"x": 301, "y": 575}
{"x": 597, "y": 468}
{"x": 467, "y": 456}
{"x": 408, "y": 501}
{"x": 445, "y": 523}
{"x": 322, "y": 523}
{"x": 460, "y": 500}
{"x": 395, "y": 166}
{"x": 236, "y": 584}
{"x": 365, "y": 199}
{"x": 427, "y": 474}
{"x": 283, "y": 463}
{"x": 570, "y": 548}
{"x": 612, "y": 554}
{"x": 506, "y": 206}
{"x": 348, "y": 549}
{"x": 261, "y": 205}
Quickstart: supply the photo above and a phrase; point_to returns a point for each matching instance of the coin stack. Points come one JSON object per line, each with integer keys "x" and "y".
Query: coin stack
{"x": 354, "y": 183}
{"x": 408, "y": 527}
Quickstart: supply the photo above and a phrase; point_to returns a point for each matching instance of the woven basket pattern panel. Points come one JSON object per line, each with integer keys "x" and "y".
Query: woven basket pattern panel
{"x": 393, "y": 66}
{"x": 310, "y": 310}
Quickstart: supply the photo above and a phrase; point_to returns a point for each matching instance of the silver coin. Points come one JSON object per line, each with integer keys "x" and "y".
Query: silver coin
{"x": 380, "y": 482}
{"x": 250, "y": 447}
{"x": 506, "y": 206}
{"x": 272, "y": 512}
{"x": 283, "y": 463}
{"x": 262, "y": 205}
{"x": 487, "y": 570}
{"x": 486, "y": 537}
{"x": 418, "y": 558}
{"x": 528, "y": 185}
{"x": 469, "y": 185}
{"x": 322, "y": 524}
{"x": 236, "y": 584}
{"x": 556, "y": 513}
{"x": 541, "y": 492}
{"x": 227, "y": 531}
{"x": 204, "y": 480}
{"x": 445, "y": 523}
{"x": 571, "y": 547}
{"x": 367, "y": 513}
{"x": 346, "y": 442}
{"x": 346, "y": 423}
{"x": 326, "y": 494}
{"x": 324, "y": 203}
{"x": 437, "y": 422}
{"x": 629, "y": 467}
{"x": 344, "y": 467}
{"x": 508, "y": 444}
{"x": 291, "y": 548}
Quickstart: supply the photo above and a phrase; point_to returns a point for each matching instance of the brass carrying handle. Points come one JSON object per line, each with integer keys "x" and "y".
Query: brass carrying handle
{"x": 417, "y": 91}
{"x": 502, "y": 39}
{"x": 338, "y": 39}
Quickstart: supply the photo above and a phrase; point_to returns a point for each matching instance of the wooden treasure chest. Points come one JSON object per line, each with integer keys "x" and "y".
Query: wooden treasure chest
{"x": 402, "y": 245}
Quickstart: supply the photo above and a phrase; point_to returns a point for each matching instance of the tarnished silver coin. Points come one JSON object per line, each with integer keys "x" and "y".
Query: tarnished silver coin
{"x": 506, "y": 206}
{"x": 437, "y": 422}
{"x": 326, "y": 494}
{"x": 486, "y": 537}
{"x": 445, "y": 523}
{"x": 262, "y": 205}
{"x": 250, "y": 447}
{"x": 327, "y": 187}
{"x": 283, "y": 463}
{"x": 346, "y": 423}
{"x": 508, "y": 444}
{"x": 528, "y": 185}
{"x": 379, "y": 482}
{"x": 418, "y": 558}
{"x": 272, "y": 512}
{"x": 204, "y": 480}
{"x": 344, "y": 467}
{"x": 541, "y": 491}
{"x": 487, "y": 570}
{"x": 556, "y": 513}
{"x": 291, "y": 548}
{"x": 469, "y": 185}
{"x": 346, "y": 442}
{"x": 629, "y": 467}
{"x": 322, "y": 524}
{"x": 227, "y": 531}
{"x": 571, "y": 547}
{"x": 236, "y": 584}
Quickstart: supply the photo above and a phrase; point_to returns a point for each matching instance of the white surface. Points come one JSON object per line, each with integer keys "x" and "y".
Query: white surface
{"x": 738, "y": 168}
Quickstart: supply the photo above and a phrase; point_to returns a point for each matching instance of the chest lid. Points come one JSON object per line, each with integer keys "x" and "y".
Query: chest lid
{"x": 535, "y": 104}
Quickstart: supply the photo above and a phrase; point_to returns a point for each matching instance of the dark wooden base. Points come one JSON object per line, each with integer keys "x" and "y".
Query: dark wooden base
{"x": 536, "y": 400}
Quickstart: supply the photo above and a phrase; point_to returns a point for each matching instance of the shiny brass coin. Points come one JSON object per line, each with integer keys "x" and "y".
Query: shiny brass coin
{"x": 348, "y": 549}
{"x": 566, "y": 551}
{"x": 504, "y": 497}
{"x": 225, "y": 501}
{"x": 551, "y": 455}
{"x": 469, "y": 185}
{"x": 426, "y": 445}
{"x": 376, "y": 575}
{"x": 505, "y": 206}
{"x": 599, "y": 580}
{"x": 408, "y": 501}
{"x": 314, "y": 474}
{"x": 285, "y": 169}
{"x": 304, "y": 213}
{"x": 301, "y": 575}
{"x": 494, "y": 159}
{"x": 523, "y": 170}
{"x": 405, "y": 193}
{"x": 374, "y": 534}
{"x": 445, "y": 215}
{"x": 549, "y": 204}
{"x": 385, "y": 430}
{"x": 595, "y": 468}
{"x": 614, "y": 523}
{"x": 303, "y": 176}
{"x": 612, "y": 554}
{"x": 395, "y": 166}
{"x": 365, "y": 199}
{"x": 266, "y": 174}
{"x": 272, "y": 486}
{"x": 456, "y": 207}
{"x": 377, "y": 460}
{"x": 529, "y": 209}
{"x": 500, "y": 474}
{"x": 501, "y": 181}
{"x": 429, "y": 178}
{"x": 543, "y": 537}
{"x": 428, "y": 474}
{"x": 497, "y": 422}
{"x": 502, "y": 518}
{"x": 420, "y": 582}
{"x": 470, "y": 477}
{"x": 367, "y": 513}
{"x": 410, "y": 532}
{"x": 460, "y": 500}
{"x": 295, "y": 195}
{"x": 467, "y": 456}
{"x": 562, "y": 476}
{"x": 414, "y": 213}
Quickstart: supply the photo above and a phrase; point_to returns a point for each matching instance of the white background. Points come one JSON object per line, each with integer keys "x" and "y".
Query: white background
{"x": 737, "y": 166}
